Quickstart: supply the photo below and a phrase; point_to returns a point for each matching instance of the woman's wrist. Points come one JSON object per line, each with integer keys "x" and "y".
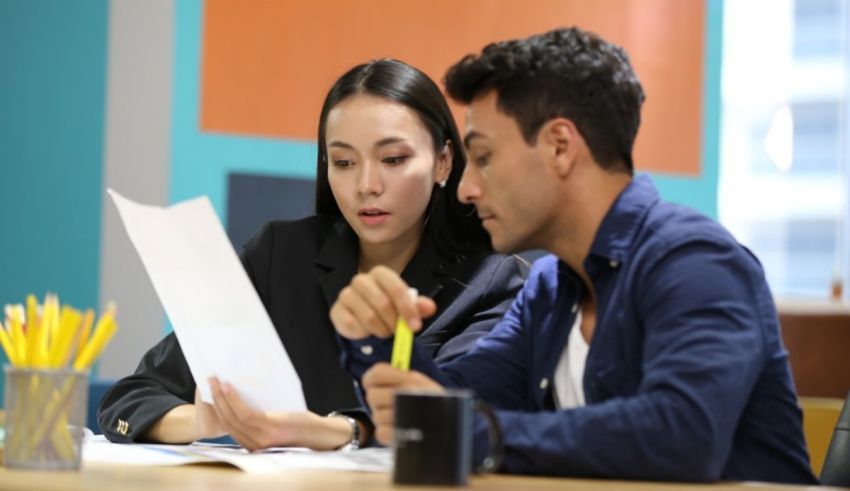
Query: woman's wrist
{"x": 178, "y": 425}
{"x": 333, "y": 433}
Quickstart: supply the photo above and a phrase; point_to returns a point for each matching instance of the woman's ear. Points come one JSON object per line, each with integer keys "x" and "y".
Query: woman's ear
{"x": 444, "y": 164}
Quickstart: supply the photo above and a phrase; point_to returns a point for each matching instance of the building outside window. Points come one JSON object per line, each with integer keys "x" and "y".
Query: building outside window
{"x": 784, "y": 156}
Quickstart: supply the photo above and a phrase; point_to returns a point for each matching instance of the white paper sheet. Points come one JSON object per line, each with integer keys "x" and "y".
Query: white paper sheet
{"x": 268, "y": 461}
{"x": 218, "y": 317}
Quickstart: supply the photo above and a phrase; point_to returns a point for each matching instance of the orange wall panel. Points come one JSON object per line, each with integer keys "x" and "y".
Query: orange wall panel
{"x": 267, "y": 64}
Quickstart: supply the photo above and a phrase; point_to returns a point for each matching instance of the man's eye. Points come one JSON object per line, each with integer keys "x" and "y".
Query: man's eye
{"x": 398, "y": 159}
{"x": 482, "y": 160}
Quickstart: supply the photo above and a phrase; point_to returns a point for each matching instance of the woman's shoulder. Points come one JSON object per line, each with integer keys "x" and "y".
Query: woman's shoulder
{"x": 291, "y": 234}
{"x": 491, "y": 269}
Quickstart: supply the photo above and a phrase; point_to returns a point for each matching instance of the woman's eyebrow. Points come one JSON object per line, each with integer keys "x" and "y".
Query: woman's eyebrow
{"x": 339, "y": 144}
{"x": 389, "y": 140}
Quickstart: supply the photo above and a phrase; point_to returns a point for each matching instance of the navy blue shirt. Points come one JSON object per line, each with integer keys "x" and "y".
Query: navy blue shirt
{"x": 686, "y": 378}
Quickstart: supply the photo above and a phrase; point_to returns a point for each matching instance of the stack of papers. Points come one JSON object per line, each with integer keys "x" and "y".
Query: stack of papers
{"x": 269, "y": 461}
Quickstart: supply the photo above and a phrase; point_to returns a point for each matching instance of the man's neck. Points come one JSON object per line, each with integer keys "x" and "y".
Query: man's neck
{"x": 590, "y": 202}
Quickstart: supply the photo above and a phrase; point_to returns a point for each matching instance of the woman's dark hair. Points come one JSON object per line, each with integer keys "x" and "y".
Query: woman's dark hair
{"x": 569, "y": 73}
{"x": 453, "y": 226}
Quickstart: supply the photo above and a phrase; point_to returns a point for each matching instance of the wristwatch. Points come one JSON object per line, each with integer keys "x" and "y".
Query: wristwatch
{"x": 354, "y": 443}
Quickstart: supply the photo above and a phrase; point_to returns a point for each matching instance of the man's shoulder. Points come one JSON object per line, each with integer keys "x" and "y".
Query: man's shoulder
{"x": 668, "y": 226}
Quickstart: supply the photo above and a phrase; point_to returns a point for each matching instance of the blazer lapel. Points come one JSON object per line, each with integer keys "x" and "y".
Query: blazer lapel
{"x": 422, "y": 271}
{"x": 338, "y": 257}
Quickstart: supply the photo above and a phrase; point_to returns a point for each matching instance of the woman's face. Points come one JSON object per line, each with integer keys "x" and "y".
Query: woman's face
{"x": 382, "y": 168}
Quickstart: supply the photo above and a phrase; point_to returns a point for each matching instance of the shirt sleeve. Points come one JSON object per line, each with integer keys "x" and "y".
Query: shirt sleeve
{"x": 161, "y": 382}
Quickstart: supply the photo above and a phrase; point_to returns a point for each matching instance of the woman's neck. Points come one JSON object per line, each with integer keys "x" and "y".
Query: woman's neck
{"x": 394, "y": 255}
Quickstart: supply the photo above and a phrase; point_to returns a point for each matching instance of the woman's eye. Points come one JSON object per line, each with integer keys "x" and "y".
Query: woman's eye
{"x": 398, "y": 159}
{"x": 341, "y": 163}
{"x": 482, "y": 160}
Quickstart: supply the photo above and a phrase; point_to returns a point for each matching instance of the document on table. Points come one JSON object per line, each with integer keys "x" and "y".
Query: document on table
{"x": 264, "y": 462}
{"x": 218, "y": 317}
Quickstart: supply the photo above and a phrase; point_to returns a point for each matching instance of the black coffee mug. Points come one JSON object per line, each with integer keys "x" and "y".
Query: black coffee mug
{"x": 433, "y": 437}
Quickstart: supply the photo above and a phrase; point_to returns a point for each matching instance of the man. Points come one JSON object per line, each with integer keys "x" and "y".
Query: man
{"x": 647, "y": 346}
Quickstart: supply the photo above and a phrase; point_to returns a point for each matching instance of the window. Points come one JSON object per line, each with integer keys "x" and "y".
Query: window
{"x": 784, "y": 156}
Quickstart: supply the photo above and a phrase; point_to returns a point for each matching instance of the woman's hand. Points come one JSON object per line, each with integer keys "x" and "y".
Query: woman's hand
{"x": 207, "y": 424}
{"x": 256, "y": 430}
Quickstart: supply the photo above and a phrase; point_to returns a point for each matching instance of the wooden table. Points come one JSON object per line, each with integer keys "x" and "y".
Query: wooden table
{"x": 203, "y": 477}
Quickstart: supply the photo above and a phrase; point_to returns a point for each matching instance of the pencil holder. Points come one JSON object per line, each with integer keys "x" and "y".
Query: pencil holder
{"x": 45, "y": 417}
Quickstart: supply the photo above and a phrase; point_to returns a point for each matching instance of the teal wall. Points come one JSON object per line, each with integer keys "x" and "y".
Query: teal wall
{"x": 200, "y": 161}
{"x": 52, "y": 92}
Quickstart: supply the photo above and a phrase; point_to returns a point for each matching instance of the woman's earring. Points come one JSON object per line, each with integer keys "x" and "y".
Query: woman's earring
{"x": 442, "y": 184}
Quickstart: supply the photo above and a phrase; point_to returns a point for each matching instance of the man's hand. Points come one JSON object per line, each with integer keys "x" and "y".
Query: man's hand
{"x": 256, "y": 430}
{"x": 381, "y": 383}
{"x": 373, "y": 301}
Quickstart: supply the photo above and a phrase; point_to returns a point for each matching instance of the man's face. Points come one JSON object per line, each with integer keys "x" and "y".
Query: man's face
{"x": 506, "y": 179}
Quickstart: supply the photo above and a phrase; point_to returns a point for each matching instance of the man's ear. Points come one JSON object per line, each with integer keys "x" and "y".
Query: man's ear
{"x": 444, "y": 164}
{"x": 560, "y": 141}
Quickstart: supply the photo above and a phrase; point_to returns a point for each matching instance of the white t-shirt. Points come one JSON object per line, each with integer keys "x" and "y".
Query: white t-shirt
{"x": 569, "y": 390}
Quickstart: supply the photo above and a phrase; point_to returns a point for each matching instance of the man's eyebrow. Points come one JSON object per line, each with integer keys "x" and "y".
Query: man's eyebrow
{"x": 467, "y": 140}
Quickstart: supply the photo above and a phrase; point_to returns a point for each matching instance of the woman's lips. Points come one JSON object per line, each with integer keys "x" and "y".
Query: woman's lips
{"x": 373, "y": 216}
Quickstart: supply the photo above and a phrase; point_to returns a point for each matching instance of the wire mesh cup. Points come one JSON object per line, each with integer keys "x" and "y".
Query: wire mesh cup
{"x": 45, "y": 417}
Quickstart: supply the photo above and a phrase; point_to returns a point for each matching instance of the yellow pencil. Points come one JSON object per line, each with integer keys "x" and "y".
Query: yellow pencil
{"x": 18, "y": 337}
{"x": 68, "y": 325}
{"x": 403, "y": 342}
{"x": 103, "y": 332}
{"x": 8, "y": 346}
{"x": 33, "y": 326}
{"x": 85, "y": 331}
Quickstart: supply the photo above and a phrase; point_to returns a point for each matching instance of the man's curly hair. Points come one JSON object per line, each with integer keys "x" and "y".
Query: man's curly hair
{"x": 567, "y": 73}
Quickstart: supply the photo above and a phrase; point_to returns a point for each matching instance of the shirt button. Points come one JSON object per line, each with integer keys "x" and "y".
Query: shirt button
{"x": 544, "y": 382}
{"x": 574, "y": 309}
{"x": 614, "y": 264}
{"x": 367, "y": 350}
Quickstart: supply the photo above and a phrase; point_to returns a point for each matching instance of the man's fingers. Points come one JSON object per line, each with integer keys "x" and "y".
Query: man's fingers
{"x": 380, "y": 398}
{"x": 426, "y": 306}
{"x": 354, "y": 317}
{"x": 344, "y": 321}
{"x": 384, "y": 435}
{"x": 377, "y": 309}
{"x": 383, "y": 374}
{"x": 384, "y": 417}
{"x": 398, "y": 293}
{"x": 357, "y": 302}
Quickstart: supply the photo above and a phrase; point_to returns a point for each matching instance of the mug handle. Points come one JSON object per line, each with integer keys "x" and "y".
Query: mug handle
{"x": 494, "y": 431}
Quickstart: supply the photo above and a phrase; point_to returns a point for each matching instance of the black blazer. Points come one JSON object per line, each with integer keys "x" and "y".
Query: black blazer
{"x": 298, "y": 268}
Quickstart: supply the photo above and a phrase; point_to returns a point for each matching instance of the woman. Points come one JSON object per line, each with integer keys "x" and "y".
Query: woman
{"x": 389, "y": 163}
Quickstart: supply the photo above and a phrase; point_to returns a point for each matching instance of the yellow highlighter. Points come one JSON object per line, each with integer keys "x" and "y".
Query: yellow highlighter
{"x": 403, "y": 342}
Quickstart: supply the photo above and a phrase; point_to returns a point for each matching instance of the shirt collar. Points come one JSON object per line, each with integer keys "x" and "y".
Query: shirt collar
{"x": 618, "y": 229}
